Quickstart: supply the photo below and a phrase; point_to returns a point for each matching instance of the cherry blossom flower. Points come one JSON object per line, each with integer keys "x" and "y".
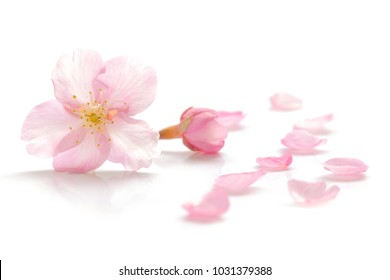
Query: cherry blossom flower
{"x": 213, "y": 205}
{"x": 345, "y": 166}
{"x": 285, "y": 102}
{"x": 238, "y": 182}
{"x": 275, "y": 163}
{"x": 311, "y": 193}
{"x": 300, "y": 140}
{"x": 230, "y": 120}
{"x": 91, "y": 119}
{"x": 199, "y": 130}
{"x": 315, "y": 125}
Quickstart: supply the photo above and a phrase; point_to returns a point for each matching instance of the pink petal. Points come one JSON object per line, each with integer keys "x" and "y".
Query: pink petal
{"x": 275, "y": 163}
{"x": 345, "y": 166}
{"x": 134, "y": 144}
{"x": 199, "y": 112}
{"x": 238, "y": 182}
{"x": 46, "y": 126}
{"x": 301, "y": 140}
{"x": 73, "y": 77}
{"x": 213, "y": 205}
{"x": 127, "y": 86}
{"x": 88, "y": 155}
{"x": 230, "y": 119}
{"x": 201, "y": 131}
{"x": 314, "y": 125}
{"x": 285, "y": 102}
{"x": 71, "y": 140}
{"x": 210, "y": 138}
{"x": 310, "y": 193}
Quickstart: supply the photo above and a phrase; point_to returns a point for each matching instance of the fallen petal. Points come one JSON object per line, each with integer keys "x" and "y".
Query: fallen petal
{"x": 230, "y": 119}
{"x": 275, "y": 163}
{"x": 238, "y": 182}
{"x": 213, "y": 205}
{"x": 311, "y": 193}
{"x": 301, "y": 140}
{"x": 285, "y": 102}
{"x": 314, "y": 125}
{"x": 345, "y": 166}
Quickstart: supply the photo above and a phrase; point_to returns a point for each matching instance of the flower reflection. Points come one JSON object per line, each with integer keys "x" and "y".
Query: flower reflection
{"x": 105, "y": 190}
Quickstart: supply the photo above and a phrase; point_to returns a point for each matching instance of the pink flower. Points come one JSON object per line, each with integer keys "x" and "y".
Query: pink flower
{"x": 314, "y": 125}
{"x": 310, "y": 193}
{"x": 285, "y": 102}
{"x": 300, "y": 140}
{"x": 199, "y": 129}
{"x": 213, "y": 205}
{"x": 276, "y": 163}
{"x": 345, "y": 166}
{"x": 237, "y": 183}
{"x": 90, "y": 120}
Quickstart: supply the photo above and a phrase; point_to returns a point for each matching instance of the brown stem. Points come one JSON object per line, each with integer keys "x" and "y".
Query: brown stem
{"x": 170, "y": 132}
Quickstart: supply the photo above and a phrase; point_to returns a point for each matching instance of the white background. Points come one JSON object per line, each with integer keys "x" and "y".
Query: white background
{"x": 224, "y": 55}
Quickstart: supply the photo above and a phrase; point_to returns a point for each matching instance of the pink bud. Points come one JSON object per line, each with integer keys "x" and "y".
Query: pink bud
{"x": 201, "y": 131}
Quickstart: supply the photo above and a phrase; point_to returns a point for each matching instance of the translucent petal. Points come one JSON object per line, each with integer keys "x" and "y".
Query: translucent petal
{"x": 311, "y": 193}
{"x": 213, "y": 205}
{"x": 314, "y": 125}
{"x": 276, "y": 163}
{"x": 230, "y": 120}
{"x": 301, "y": 140}
{"x": 345, "y": 166}
{"x": 285, "y": 102}
{"x": 238, "y": 182}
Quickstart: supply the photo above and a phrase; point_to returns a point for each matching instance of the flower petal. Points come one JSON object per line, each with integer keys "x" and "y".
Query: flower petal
{"x": 201, "y": 131}
{"x": 301, "y": 140}
{"x": 310, "y": 193}
{"x": 238, "y": 182}
{"x": 230, "y": 119}
{"x": 73, "y": 77}
{"x": 345, "y": 166}
{"x": 88, "y": 155}
{"x": 314, "y": 125}
{"x": 134, "y": 144}
{"x": 72, "y": 139}
{"x": 213, "y": 205}
{"x": 275, "y": 163}
{"x": 285, "y": 102}
{"x": 45, "y": 127}
{"x": 127, "y": 86}
{"x": 209, "y": 139}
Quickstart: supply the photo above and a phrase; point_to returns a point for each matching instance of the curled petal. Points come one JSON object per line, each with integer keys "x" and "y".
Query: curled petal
{"x": 345, "y": 166}
{"x": 238, "y": 182}
{"x": 127, "y": 86}
{"x": 213, "y": 205}
{"x": 46, "y": 126}
{"x": 230, "y": 119}
{"x": 301, "y": 140}
{"x": 134, "y": 144}
{"x": 314, "y": 125}
{"x": 275, "y": 163}
{"x": 73, "y": 77}
{"x": 87, "y": 155}
{"x": 311, "y": 193}
{"x": 285, "y": 102}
